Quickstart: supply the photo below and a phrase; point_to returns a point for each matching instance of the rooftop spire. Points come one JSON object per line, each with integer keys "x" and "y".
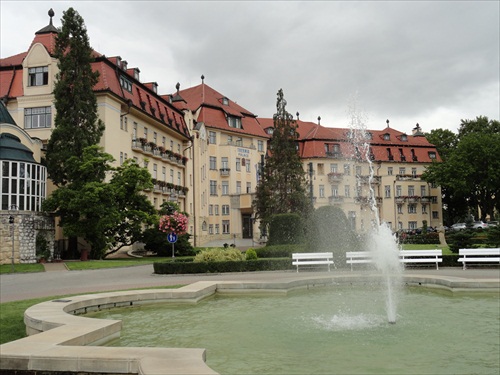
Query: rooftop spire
{"x": 50, "y": 28}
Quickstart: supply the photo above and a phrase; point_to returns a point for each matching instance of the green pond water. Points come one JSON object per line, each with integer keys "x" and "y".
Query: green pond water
{"x": 329, "y": 330}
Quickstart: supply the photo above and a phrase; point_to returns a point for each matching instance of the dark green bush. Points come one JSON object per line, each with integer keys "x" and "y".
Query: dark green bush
{"x": 156, "y": 241}
{"x": 279, "y": 251}
{"x": 221, "y": 267}
{"x": 493, "y": 237}
{"x": 286, "y": 229}
{"x": 330, "y": 231}
{"x": 428, "y": 238}
{"x": 463, "y": 239}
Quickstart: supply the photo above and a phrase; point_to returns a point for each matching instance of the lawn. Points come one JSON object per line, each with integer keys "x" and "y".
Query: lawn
{"x": 446, "y": 249}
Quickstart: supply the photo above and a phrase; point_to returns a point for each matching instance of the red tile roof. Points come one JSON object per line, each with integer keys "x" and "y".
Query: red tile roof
{"x": 213, "y": 113}
{"x": 141, "y": 97}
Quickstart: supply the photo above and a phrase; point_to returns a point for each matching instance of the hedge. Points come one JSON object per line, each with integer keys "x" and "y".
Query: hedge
{"x": 280, "y": 251}
{"x": 269, "y": 264}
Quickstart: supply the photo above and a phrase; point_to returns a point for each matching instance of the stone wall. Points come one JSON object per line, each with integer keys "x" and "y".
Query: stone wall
{"x": 25, "y": 229}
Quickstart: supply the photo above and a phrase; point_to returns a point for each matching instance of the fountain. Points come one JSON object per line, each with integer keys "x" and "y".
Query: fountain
{"x": 382, "y": 243}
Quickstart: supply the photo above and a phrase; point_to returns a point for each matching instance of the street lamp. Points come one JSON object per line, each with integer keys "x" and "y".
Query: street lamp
{"x": 12, "y": 211}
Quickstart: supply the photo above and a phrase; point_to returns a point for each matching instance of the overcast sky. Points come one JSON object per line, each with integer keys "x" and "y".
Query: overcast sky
{"x": 427, "y": 62}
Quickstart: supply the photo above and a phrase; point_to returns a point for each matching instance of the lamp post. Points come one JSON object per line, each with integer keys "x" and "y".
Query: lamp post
{"x": 12, "y": 211}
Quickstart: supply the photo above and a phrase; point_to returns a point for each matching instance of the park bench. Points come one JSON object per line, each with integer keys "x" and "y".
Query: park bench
{"x": 405, "y": 257}
{"x": 421, "y": 256}
{"x": 310, "y": 259}
{"x": 358, "y": 257}
{"x": 479, "y": 256}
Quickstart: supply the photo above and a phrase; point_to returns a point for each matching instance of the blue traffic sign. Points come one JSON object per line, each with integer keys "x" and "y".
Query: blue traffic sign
{"x": 172, "y": 237}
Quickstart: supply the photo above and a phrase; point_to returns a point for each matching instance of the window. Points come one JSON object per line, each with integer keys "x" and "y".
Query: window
{"x": 387, "y": 191}
{"x": 335, "y": 191}
{"x": 333, "y": 168}
{"x": 213, "y": 187}
{"x": 212, "y": 138}
{"x": 164, "y": 141}
{"x": 412, "y": 208}
{"x": 171, "y": 175}
{"x": 435, "y": 214}
{"x": 145, "y": 133}
{"x": 424, "y": 209}
{"x": 134, "y": 131}
{"x": 389, "y": 171}
{"x": 347, "y": 169}
{"x": 155, "y": 171}
{"x": 204, "y": 226}
{"x": 225, "y": 188}
{"x": 210, "y": 229}
{"x": 387, "y": 137}
{"x": 358, "y": 170}
{"x": 260, "y": 146}
{"x": 225, "y": 101}
{"x": 35, "y": 118}
{"x": 400, "y": 208}
{"x": 125, "y": 83}
{"x": 321, "y": 191}
{"x": 238, "y": 164}
{"x": 213, "y": 162}
{"x": 249, "y": 187}
{"x": 216, "y": 210}
{"x": 210, "y": 209}
{"x": 225, "y": 209}
{"x": 402, "y": 171}
{"x": 164, "y": 173}
{"x": 239, "y": 141}
{"x": 414, "y": 172}
{"x": 238, "y": 187}
{"x": 423, "y": 190}
{"x": 38, "y": 76}
{"x": 248, "y": 166}
{"x": 225, "y": 163}
{"x": 179, "y": 182}
{"x": 398, "y": 190}
{"x": 217, "y": 230}
{"x": 404, "y": 137}
{"x": 321, "y": 169}
{"x": 432, "y": 155}
{"x": 155, "y": 137}
{"x": 411, "y": 190}
{"x": 225, "y": 226}
{"x": 412, "y": 225}
{"x": 234, "y": 122}
{"x": 347, "y": 191}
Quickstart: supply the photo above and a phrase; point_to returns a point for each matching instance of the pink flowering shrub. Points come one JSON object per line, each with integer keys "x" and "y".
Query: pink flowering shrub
{"x": 177, "y": 223}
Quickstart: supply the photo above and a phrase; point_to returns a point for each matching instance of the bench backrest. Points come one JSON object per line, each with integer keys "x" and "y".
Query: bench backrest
{"x": 416, "y": 253}
{"x": 494, "y": 251}
{"x": 358, "y": 254}
{"x": 312, "y": 255}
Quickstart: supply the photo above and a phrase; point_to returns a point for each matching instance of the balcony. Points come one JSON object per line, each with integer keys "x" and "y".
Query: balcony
{"x": 407, "y": 177}
{"x": 399, "y": 200}
{"x": 375, "y": 180}
{"x": 333, "y": 154}
{"x": 335, "y": 177}
{"x": 150, "y": 148}
{"x": 335, "y": 199}
{"x": 224, "y": 172}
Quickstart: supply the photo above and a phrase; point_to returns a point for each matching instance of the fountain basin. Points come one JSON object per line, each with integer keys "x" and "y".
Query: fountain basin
{"x": 62, "y": 343}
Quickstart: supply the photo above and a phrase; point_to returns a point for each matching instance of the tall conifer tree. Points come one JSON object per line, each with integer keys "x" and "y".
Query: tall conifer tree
{"x": 282, "y": 188}
{"x": 76, "y": 122}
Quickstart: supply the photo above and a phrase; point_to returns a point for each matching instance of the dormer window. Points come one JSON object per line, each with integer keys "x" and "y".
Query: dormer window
{"x": 136, "y": 73}
{"x": 368, "y": 135}
{"x": 387, "y": 137}
{"x": 270, "y": 131}
{"x": 38, "y": 76}
{"x": 234, "y": 122}
{"x": 404, "y": 138}
{"x": 225, "y": 101}
{"x": 126, "y": 84}
{"x": 432, "y": 155}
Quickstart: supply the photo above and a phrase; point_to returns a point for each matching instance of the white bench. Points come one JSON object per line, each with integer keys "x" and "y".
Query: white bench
{"x": 302, "y": 259}
{"x": 421, "y": 256}
{"x": 479, "y": 255}
{"x": 358, "y": 257}
{"x": 405, "y": 256}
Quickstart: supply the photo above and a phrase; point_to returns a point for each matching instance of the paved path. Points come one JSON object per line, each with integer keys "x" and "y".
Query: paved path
{"x": 14, "y": 287}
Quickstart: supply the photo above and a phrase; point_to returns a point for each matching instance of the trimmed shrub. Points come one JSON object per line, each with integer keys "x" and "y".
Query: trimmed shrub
{"x": 463, "y": 239}
{"x": 286, "y": 229}
{"x": 428, "y": 238}
{"x": 280, "y": 251}
{"x": 156, "y": 241}
{"x": 330, "y": 231}
{"x": 221, "y": 267}
{"x": 218, "y": 255}
{"x": 250, "y": 254}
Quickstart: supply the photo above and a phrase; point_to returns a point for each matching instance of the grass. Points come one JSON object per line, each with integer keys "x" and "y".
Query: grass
{"x": 21, "y": 268}
{"x": 446, "y": 249}
{"x": 12, "y": 315}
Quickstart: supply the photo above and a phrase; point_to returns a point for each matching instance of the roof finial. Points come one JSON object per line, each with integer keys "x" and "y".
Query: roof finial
{"x": 178, "y": 86}
{"x": 202, "y": 78}
{"x": 297, "y": 115}
{"x": 387, "y": 122}
{"x": 51, "y": 14}
{"x": 319, "y": 120}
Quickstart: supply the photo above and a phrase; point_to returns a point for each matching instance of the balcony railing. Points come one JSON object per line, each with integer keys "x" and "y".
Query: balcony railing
{"x": 366, "y": 179}
{"x": 150, "y": 148}
{"x": 333, "y": 154}
{"x": 335, "y": 177}
{"x": 224, "y": 172}
{"x": 335, "y": 199}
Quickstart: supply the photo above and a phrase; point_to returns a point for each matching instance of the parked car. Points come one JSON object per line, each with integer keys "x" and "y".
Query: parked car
{"x": 492, "y": 224}
{"x": 458, "y": 226}
{"x": 479, "y": 225}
